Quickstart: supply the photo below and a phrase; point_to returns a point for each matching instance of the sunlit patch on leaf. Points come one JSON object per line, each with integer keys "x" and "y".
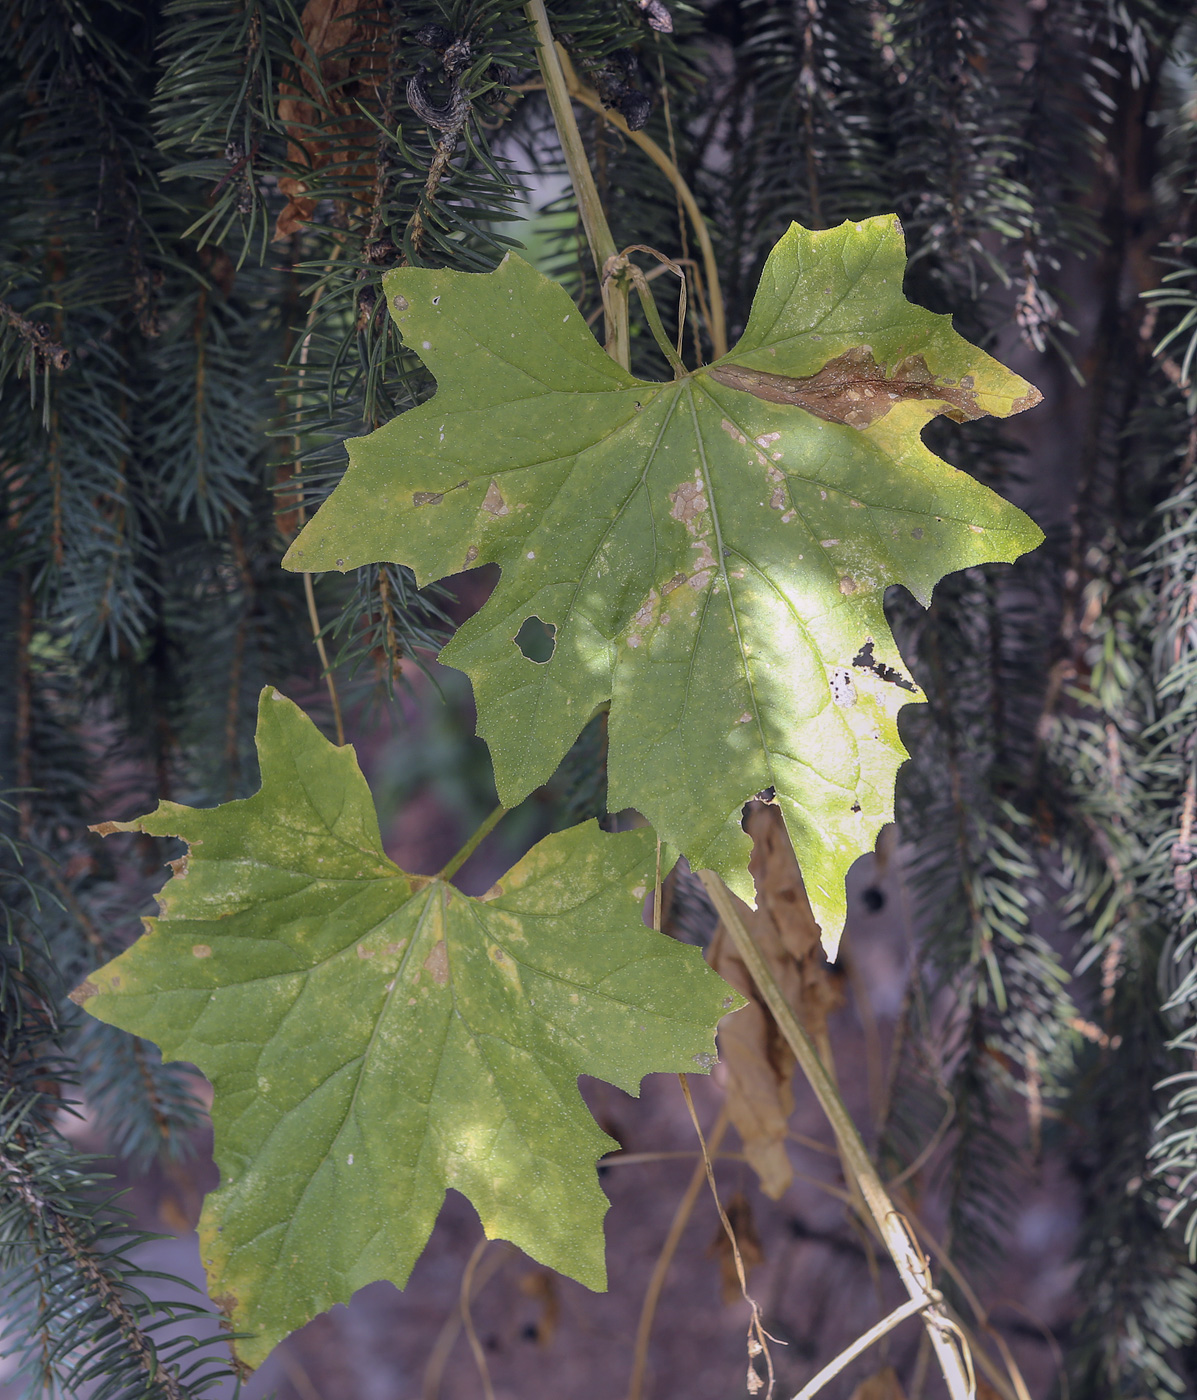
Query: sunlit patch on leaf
{"x": 374, "y": 1037}
{"x": 708, "y": 549}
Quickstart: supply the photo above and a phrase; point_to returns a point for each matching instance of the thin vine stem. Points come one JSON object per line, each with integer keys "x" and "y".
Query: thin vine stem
{"x": 457, "y": 861}
{"x": 467, "y": 1319}
{"x": 656, "y": 1283}
{"x": 589, "y": 98}
{"x": 590, "y": 206}
{"x": 309, "y": 591}
{"x": 942, "y": 1332}
{"x": 887, "y": 1324}
{"x": 758, "y": 1338}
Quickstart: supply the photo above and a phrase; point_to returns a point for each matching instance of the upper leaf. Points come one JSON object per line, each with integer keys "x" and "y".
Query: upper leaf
{"x": 712, "y": 553}
{"x": 373, "y": 1037}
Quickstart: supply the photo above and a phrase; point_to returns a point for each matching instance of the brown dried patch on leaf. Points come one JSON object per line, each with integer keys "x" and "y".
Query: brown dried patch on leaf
{"x": 83, "y": 992}
{"x": 854, "y": 389}
{"x": 739, "y": 1215}
{"x": 437, "y": 963}
{"x": 884, "y": 1385}
{"x": 493, "y": 502}
{"x": 688, "y": 503}
{"x": 758, "y": 1062}
{"x": 339, "y": 62}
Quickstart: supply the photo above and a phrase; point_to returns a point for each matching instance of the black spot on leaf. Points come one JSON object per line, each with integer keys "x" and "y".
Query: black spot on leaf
{"x": 866, "y": 661}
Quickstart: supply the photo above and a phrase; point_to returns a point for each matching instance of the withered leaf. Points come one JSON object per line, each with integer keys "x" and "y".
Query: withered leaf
{"x": 339, "y": 62}
{"x": 759, "y": 1064}
{"x": 884, "y": 1385}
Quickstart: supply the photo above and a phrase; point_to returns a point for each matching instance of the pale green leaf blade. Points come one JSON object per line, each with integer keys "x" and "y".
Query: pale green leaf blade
{"x": 712, "y": 560}
{"x": 373, "y": 1037}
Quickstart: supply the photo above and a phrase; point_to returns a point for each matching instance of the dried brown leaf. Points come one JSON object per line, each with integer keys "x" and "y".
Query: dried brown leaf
{"x": 758, "y": 1063}
{"x": 340, "y": 61}
{"x": 884, "y": 1385}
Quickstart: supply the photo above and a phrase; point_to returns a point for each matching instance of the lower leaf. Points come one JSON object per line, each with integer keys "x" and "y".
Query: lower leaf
{"x": 373, "y": 1037}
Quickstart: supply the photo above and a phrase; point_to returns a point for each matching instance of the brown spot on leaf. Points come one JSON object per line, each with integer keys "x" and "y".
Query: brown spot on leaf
{"x": 854, "y": 389}
{"x": 364, "y": 952}
{"x": 1029, "y": 400}
{"x": 495, "y": 892}
{"x": 688, "y": 503}
{"x": 493, "y": 501}
{"x": 848, "y": 585}
{"x": 84, "y": 992}
{"x": 645, "y": 616}
{"x": 437, "y": 962}
{"x": 180, "y": 866}
{"x": 675, "y": 582}
{"x": 200, "y": 950}
{"x": 704, "y": 566}
{"x": 227, "y": 1303}
{"x": 471, "y": 555}
{"x": 427, "y": 498}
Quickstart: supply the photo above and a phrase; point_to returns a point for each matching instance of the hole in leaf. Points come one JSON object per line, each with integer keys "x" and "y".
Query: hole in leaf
{"x": 536, "y": 639}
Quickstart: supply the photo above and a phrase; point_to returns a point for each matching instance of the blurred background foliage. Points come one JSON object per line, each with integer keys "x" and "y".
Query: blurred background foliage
{"x": 198, "y": 199}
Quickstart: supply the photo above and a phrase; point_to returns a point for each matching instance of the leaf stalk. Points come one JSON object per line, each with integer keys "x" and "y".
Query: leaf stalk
{"x": 457, "y": 861}
{"x": 622, "y": 265}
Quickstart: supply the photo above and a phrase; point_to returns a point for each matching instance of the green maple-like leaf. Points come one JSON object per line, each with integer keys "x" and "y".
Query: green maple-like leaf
{"x": 712, "y": 553}
{"x": 374, "y": 1037}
